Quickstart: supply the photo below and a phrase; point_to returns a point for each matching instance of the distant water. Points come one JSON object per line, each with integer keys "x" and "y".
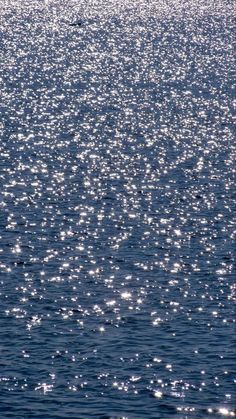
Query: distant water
{"x": 117, "y": 192}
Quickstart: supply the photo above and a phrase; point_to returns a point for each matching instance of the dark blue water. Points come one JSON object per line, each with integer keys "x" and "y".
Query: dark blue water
{"x": 117, "y": 199}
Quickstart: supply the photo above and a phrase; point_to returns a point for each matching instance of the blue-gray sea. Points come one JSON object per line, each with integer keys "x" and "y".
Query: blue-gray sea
{"x": 117, "y": 199}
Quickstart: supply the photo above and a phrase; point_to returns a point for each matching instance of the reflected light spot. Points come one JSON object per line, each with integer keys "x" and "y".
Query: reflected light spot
{"x": 126, "y": 295}
{"x": 158, "y": 394}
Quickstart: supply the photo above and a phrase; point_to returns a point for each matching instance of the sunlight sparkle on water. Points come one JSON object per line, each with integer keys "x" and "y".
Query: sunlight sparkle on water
{"x": 117, "y": 194}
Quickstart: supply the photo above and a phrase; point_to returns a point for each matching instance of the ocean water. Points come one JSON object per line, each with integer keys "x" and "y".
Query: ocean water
{"x": 117, "y": 199}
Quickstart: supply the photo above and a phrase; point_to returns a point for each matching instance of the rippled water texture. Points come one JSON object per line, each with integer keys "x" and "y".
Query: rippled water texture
{"x": 117, "y": 183}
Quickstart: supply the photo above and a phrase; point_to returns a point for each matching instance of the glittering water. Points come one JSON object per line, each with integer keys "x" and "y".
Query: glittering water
{"x": 117, "y": 173}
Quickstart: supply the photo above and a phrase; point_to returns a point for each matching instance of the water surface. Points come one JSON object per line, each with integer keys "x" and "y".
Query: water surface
{"x": 117, "y": 193}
